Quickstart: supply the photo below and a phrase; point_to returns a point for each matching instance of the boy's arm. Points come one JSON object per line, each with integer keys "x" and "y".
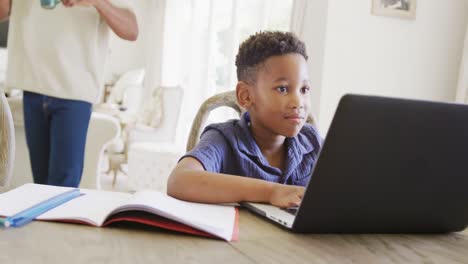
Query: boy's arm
{"x": 5, "y": 6}
{"x": 189, "y": 181}
{"x": 122, "y": 21}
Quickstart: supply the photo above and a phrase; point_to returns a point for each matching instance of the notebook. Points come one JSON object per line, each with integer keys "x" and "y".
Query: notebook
{"x": 101, "y": 208}
{"x": 387, "y": 165}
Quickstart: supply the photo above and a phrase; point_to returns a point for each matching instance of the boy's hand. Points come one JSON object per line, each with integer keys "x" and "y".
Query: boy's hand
{"x": 286, "y": 195}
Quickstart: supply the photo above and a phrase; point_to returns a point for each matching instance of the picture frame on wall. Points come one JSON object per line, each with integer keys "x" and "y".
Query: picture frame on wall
{"x": 394, "y": 8}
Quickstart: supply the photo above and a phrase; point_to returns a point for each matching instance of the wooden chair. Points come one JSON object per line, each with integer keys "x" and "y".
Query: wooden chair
{"x": 226, "y": 99}
{"x": 7, "y": 141}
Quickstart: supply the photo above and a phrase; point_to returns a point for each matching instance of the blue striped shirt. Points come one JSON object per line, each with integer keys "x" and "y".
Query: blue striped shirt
{"x": 231, "y": 149}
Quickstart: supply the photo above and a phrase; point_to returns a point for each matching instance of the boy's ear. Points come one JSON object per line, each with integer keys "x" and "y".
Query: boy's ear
{"x": 243, "y": 93}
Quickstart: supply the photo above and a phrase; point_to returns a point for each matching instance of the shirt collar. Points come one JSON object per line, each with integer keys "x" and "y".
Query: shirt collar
{"x": 246, "y": 142}
{"x": 297, "y": 146}
{"x": 301, "y": 143}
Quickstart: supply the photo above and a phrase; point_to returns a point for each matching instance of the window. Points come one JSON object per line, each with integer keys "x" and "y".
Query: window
{"x": 201, "y": 39}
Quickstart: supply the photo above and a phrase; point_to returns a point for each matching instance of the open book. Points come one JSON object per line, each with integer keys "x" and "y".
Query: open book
{"x": 101, "y": 208}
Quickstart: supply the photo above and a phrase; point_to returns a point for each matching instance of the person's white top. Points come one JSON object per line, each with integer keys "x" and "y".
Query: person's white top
{"x": 59, "y": 52}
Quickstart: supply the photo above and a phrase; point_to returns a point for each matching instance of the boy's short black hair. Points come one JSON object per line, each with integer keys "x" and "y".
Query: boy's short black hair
{"x": 262, "y": 45}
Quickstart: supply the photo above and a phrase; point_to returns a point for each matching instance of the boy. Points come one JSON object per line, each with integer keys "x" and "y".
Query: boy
{"x": 271, "y": 145}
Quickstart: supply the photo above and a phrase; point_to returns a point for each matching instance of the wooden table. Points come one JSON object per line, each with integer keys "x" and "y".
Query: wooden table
{"x": 259, "y": 242}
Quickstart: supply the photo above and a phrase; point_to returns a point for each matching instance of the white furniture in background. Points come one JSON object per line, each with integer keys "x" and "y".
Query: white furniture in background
{"x": 127, "y": 94}
{"x": 151, "y": 142}
{"x": 123, "y": 100}
{"x": 21, "y": 166}
{"x": 159, "y": 119}
{"x": 102, "y": 130}
{"x": 7, "y": 141}
{"x": 150, "y": 164}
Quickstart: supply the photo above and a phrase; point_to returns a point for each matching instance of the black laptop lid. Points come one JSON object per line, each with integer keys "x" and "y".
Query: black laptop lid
{"x": 390, "y": 166}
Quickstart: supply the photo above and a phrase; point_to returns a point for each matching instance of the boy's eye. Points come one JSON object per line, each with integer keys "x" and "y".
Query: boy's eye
{"x": 305, "y": 89}
{"x": 282, "y": 89}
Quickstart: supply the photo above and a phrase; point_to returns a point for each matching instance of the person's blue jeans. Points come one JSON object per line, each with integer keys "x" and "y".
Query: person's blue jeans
{"x": 56, "y": 136}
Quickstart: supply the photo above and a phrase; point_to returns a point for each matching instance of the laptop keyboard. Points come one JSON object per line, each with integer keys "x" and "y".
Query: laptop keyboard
{"x": 291, "y": 210}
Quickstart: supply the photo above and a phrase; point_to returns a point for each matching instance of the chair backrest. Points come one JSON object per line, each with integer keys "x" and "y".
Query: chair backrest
{"x": 159, "y": 118}
{"x": 126, "y": 85}
{"x": 102, "y": 130}
{"x": 7, "y": 142}
{"x": 226, "y": 99}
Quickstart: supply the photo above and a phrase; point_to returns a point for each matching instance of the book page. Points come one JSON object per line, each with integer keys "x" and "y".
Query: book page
{"x": 218, "y": 220}
{"x": 93, "y": 207}
{"x": 26, "y": 196}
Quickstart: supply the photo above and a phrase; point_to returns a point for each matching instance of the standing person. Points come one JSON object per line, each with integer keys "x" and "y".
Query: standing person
{"x": 57, "y": 58}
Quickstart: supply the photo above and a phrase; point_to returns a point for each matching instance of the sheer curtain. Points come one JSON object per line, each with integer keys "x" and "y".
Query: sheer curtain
{"x": 201, "y": 38}
{"x": 154, "y": 38}
{"x": 462, "y": 90}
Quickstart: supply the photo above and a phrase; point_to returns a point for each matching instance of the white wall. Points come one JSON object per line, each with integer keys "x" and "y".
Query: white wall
{"x": 351, "y": 51}
{"x": 389, "y": 56}
{"x": 309, "y": 22}
{"x": 462, "y": 88}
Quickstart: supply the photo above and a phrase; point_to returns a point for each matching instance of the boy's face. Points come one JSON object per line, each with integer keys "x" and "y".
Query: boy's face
{"x": 280, "y": 99}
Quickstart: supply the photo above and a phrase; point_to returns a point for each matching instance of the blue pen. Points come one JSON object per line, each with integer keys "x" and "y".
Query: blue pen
{"x": 31, "y": 213}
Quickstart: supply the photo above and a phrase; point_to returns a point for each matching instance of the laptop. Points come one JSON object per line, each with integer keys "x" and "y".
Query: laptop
{"x": 387, "y": 165}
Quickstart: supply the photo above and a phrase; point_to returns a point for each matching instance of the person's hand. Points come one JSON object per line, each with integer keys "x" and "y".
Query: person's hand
{"x": 285, "y": 196}
{"x": 71, "y": 3}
